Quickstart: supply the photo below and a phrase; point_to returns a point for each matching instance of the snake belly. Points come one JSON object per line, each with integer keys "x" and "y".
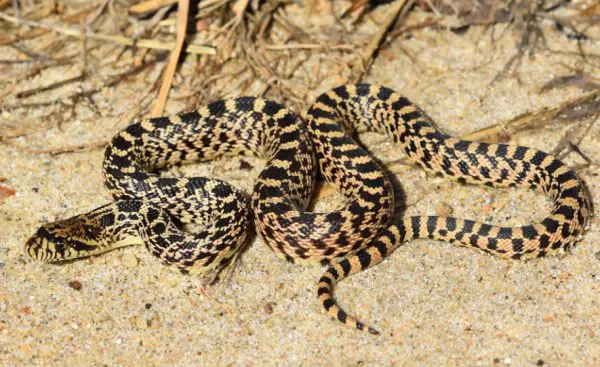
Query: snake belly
{"x": 496, "y": 165}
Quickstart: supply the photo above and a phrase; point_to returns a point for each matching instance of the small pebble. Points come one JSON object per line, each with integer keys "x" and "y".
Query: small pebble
{"x": 202, "y": 25}
{"x": 75, "y": 284}
{"x": 598, "y": 255}
{"x": 219, "y": 170}
{"x": 444, "y": 209}
{"x": 98, "y": 260}
{"x": 129, "y": 261}
{"x": 270, "y": 307}
{"x": 245, "y": 165}
{"x": 148, "y": 305}
{"x": 141, "y": 323}
{"x": 540, "y": 362}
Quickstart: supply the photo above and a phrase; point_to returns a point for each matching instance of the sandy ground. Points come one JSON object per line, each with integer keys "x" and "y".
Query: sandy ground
{"x": 436, "y": 304}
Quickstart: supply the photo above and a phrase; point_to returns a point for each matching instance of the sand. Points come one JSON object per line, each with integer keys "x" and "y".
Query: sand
{"x": 435, "y": 304}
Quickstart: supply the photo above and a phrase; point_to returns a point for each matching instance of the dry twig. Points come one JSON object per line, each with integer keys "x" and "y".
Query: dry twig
{"x": 369, "y": 53}
{"x": 143, "y": 43}
{"x": 182, "y": 17}
{"x": 61, "y": 83}
{"x": 150, "y": 6}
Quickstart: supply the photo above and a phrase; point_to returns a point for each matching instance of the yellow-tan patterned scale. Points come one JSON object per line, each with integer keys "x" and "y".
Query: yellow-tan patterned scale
{"x": 361, "y": 233}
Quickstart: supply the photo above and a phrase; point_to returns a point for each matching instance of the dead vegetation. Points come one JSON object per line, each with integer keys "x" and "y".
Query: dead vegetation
{"x": 196, "y": 52}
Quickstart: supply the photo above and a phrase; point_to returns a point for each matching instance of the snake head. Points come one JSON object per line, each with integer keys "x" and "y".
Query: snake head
{"x": 66, "y": 239}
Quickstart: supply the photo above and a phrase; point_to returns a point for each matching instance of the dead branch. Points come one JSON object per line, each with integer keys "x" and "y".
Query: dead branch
{"x": 182, "y": 18}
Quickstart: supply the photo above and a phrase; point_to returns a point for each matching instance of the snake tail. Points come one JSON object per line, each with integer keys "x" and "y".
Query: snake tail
{"x": 495, "y": 165}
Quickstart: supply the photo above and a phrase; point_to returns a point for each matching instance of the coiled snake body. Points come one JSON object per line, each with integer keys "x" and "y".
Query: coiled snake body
{"x": 360, "y": 233}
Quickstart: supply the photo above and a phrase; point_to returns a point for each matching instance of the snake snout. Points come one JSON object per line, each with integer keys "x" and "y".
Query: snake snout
{"x": 36, "y": 248}
{"x": 40, "y": 247}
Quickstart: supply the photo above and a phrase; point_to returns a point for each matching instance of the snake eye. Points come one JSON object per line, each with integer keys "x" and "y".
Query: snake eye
{"x": 59, "y": 247}
{"x": 91, "y": 231}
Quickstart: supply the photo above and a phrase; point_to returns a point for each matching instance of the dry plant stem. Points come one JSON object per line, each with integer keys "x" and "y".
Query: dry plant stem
{"x": 572, "y": 139}
{"x": 31, "y": 54}
{"x": 70, "y": 19}
{"x": 75, "y": 148}
{"x": 530, "y": 120}
{"x": 72, "y": 99}
{"x": 265, "y": 71}
{"x": 143, "y": 43}
{"x": 91, "y": 18}
{"x": 294, "y": 30}
{"x": 369, "y": 53}
{"x": 68, "y": 149}
{"x": 126, "y": 120}
{"x": 528, "y": 43}
{"x": 49, "y": 122}
{"x": 425, "y": 24}
{"x": 495, "y": 133}
{"x": 149, "y": 6}
{"x": 263, "y": 19}
{"x": 239, "y": 8}
{"x": 150, "y": 25}
{"x": 27, "y": 35}
{"x": 309, "y": 46}
{"x": 61, "y": 83}
{"x": 182, "y": 17}
{"x": 20, "y": 132}
{"x": 205, "y": 8}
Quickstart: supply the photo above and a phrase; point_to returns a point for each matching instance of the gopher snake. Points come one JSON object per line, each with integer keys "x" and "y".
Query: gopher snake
{"x": 360, "y": 233}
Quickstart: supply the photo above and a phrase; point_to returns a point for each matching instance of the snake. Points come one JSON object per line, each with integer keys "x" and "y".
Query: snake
{"x": 151, "y": 209}
{"x": 156, "y": 211}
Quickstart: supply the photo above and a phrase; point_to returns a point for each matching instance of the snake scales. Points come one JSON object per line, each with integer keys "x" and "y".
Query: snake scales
{"x": 360, "y": 233}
